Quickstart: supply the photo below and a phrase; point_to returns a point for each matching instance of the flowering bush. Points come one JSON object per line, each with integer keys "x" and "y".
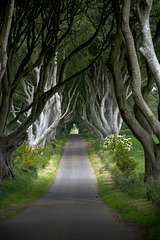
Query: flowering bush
{"x": 109, "y": 143}
{"x": 30, "y": 156}
{"x": 120, "y": 147}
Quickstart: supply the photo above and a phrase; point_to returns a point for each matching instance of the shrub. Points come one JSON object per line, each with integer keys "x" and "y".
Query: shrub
{"x": 120, "y": 147}
{"x": 109, "y": 144}
{"x": 29, "y": 156}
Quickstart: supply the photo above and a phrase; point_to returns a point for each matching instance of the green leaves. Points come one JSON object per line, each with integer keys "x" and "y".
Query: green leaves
{"x": 120, "y": 147}
{"x": 30, "y": 155}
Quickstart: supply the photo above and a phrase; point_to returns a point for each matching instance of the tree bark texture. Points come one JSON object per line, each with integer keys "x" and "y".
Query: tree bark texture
{"x": 4, "y": 35}
{"x": 27, "y": 44}
{"x": 144, "y": 123}
{"x": 101, "y": 112}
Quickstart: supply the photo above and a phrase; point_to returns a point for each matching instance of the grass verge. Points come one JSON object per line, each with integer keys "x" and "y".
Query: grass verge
{"x": 129, "y": 201}
{"x": 30, "y": 184}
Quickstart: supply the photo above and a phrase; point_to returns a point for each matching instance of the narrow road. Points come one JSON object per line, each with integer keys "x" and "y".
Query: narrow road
{"x": 72, "y": 208}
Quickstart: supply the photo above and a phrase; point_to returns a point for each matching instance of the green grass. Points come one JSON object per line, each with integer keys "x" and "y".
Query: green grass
{"x": 30, "y": 183}
{"x": 17, "y": 192}
{"x": 126, "y": 195}
{"x": 27, "y": 192}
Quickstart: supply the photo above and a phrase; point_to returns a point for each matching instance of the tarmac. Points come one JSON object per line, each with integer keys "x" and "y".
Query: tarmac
{"x": 72, "y": 208}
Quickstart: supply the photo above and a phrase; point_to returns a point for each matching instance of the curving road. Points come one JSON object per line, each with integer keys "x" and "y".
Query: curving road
{"x": 72, "y": 208}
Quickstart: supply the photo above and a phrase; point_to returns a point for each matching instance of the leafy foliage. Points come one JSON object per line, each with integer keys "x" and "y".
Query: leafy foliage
{"x": 120, "y": 147}
{"x": 29, "y": 156}
{"x": 126, "y": 195}
{"x": 31, "y": 182}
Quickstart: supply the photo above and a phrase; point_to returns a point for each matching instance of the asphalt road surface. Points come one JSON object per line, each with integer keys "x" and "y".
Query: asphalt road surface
{"x": 71, "y": 209}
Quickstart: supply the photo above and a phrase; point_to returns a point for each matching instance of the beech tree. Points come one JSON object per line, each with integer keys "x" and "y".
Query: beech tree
{"x": 38, "y": 30}
{"x": 6, "y": 13}
{"x": 43, "y": 127}
{"x": 134, "y": 49}
{"x": 56, "y": 108}
{"x": 98, "y": 109}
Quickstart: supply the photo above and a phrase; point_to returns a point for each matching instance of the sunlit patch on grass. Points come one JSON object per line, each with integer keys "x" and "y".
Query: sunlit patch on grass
{"x": 30, "y": 183}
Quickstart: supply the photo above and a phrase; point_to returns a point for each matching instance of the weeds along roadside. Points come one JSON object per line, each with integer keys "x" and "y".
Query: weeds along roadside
{"x": 137, "y": 202}
{"x": 34, "y": 171}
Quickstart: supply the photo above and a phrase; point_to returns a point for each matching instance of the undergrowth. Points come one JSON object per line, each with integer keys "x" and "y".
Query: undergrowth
{"x": 32, "y": 177}
{"x": 127, "y": 194}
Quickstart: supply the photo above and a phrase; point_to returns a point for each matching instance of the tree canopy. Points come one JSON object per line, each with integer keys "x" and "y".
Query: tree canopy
{"x": 32, "y": 35}
{"x": 88, "y": 58}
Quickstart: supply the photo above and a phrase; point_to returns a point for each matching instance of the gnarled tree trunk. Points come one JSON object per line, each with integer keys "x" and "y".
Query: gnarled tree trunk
{"x": 101, "y": 113}
{"x": 7, "y": 147}
{"x": 144, "y": 123}
{"x": 4, "y": 35}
